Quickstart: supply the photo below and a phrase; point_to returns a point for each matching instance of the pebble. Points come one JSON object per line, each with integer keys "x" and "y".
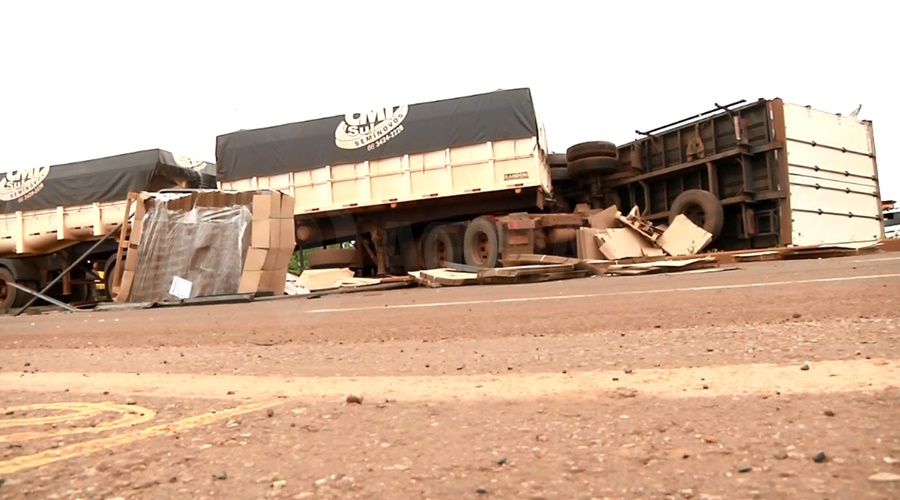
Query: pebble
{"x": 781, "y": 455}
{"x": 501, "y": 460}
{"x": 796, "y": 315}
{"x": 354, "y": 399}
{"x": 130, "y": 401}
{"x": 705, "y": 386}
{"x": 2, "y": 481}
{"x": 629, "y": 370}
{"x": 804, "y": 367}
{"x": 220, "y": 475}
{"x": 819, "y": 457}
{"x": 480, "y": 490}
{"x": 279, "y": 484}
{"x": 885, "y": 477}
{"x": 829, "y": 413}
{"x": 744, "y": 469}
{"x": 231, "y": 393}
{"x": 270, "y": 412}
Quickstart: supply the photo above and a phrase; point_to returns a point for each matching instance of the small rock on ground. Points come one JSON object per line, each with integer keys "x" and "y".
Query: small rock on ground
{"x": 220, "y": 475}
{"x": 819, "y": 457}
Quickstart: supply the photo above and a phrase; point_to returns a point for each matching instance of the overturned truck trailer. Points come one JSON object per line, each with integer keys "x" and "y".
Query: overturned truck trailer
{"x": 761, "y": 174}
{"x": 52, "y": 215}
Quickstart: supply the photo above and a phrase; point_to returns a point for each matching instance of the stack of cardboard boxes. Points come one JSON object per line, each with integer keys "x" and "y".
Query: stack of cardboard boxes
{"x": 272, "y": 241}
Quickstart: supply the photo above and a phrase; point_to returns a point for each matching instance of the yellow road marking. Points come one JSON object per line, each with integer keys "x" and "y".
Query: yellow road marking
{"x": 73, "y": 412}
{"x": 130, "y": 416}
{"x": 89, "y": 447}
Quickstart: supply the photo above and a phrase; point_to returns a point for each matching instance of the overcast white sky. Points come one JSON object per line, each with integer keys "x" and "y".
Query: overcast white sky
{"x": 81, "y": 80}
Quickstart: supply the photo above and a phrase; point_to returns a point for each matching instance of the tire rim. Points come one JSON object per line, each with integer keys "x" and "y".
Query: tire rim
{"x": 440, "y": 252}
{"x": 483, "y": 248}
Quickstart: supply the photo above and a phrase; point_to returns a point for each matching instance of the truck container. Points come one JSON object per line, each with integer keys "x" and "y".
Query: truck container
{"x": 469, "y": 179}
{"x": 51, "y": 215}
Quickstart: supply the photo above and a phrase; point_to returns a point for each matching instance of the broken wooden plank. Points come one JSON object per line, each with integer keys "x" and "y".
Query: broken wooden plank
{"x": 448, "y": 277}
{"x": 661, "y": 266}
{"x": 529, "y": 259}
{"x": 525, "y": 270}
{"x": 763, "y": 256}
{"x": 531, "y": 278}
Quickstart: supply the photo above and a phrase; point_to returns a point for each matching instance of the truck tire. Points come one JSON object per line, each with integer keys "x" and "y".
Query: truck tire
{"x": 702, "y": 208}
{"x": 593, "y": 166}
{"x": 481, "y": 243}
{"x": 109, "y": 274}
{"x": 10, "y": 297}
{"x": 440, "y": 246}
{"x": 559, "y": 173}
{"x": 557, "y": 160}
{"x": 591, "y": 149}
{"x": 332, "y": 258}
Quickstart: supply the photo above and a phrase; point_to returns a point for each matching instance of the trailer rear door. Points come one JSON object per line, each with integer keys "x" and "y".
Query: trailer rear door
{"x": 834, "y": 192}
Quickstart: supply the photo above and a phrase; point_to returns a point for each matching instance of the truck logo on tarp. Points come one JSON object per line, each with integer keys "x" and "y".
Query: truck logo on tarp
{"x": 371, "y": 129}
{"x": 20, "y": 185}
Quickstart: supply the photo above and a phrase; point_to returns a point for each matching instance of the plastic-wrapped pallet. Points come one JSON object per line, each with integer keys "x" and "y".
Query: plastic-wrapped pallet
{"x": 207, "y": 243}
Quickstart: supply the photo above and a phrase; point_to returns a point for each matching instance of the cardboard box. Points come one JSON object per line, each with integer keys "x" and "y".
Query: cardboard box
{"x": 267, "y": 206}
{"x": 265, "y": 233}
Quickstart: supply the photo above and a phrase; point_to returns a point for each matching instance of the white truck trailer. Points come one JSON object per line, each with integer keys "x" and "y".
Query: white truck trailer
{"x": 470, "y": 179}
{"x": 51, "y": 215}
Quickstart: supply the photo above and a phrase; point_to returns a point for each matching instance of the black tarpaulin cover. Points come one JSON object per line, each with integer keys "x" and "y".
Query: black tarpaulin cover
{"x": 100, "y": 180}
{"x": 373, "y": 135}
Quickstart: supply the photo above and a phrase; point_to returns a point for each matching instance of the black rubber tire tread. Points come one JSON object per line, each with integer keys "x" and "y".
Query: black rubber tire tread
{"x": 557, "y": 160}
{"x": 450, "y": 239}
{"x": 714, "y": 215}
{"x": 595, "y": 165}
{"x": 332, "y": 258}
{"x": 411, "y": 256}
{"x": 109, "y": 272}
{"x": 591, "y": 149}
{"x": 470, "y": 243}
{"x": 559, "y": 173}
